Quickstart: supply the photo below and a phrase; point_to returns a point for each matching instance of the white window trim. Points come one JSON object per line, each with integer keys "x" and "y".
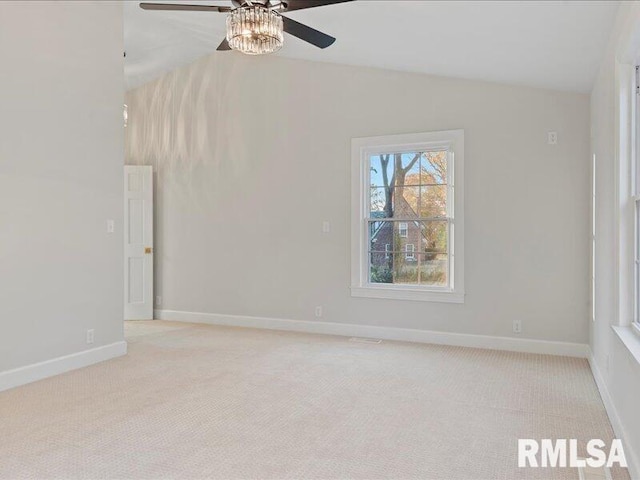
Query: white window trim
{"x": 403, "y": 226}
{"x": 387, "y": 250}
{"x": 410, "y": 255}
{"x": 361, "y": 148}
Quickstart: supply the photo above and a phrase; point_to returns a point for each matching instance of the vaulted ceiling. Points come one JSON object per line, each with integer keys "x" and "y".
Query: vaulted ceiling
{"x": 549, "y": 44}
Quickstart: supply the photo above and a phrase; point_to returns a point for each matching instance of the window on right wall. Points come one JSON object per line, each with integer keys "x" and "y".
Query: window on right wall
{"x": 636, "y": 202}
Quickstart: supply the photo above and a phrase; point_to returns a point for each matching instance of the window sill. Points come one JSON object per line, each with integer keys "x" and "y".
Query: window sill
{"x": 407, "y": 294}
{"x": 630, "y": 337}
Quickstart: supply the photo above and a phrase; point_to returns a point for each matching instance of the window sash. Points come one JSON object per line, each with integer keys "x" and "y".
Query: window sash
{"x": 392, "y": 251}
{"x": 635, "y": 188}
{"x": 449, "y": 218}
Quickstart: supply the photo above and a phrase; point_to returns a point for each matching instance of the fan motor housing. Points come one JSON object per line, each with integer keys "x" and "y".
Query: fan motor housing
{"x": 278, "y": 5}
{"x": 273, "y": 4}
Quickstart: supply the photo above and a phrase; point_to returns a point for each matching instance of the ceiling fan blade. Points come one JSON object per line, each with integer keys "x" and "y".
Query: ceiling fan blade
{"x": 308, "y": 34}
{"x": 301, "y": 4}
{"x": 224, "y": 46}
{"x": 189, "y": 8}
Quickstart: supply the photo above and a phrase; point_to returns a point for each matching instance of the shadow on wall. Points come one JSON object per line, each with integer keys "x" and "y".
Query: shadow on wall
{"x": 189, "y": 127}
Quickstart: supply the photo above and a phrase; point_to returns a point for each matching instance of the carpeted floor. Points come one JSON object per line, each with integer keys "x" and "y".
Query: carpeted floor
{"x": 195, "y": 402}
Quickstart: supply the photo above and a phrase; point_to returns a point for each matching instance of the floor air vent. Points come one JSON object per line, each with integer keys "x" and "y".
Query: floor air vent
{"x": 365, "y": 340}
{"x": 589, "y": 473}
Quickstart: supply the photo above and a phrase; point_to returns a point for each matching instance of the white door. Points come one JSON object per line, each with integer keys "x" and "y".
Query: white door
{"x": 138, "y": 243}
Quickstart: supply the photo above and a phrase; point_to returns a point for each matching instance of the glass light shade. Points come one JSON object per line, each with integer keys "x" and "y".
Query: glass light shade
{"x": 254, "y": 30}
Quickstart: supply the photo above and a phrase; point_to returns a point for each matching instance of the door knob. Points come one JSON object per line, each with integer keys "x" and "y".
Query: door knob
{"x": 148, "y": 250}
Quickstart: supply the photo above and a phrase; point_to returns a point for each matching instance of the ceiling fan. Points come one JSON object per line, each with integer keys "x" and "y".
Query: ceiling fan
{"x": 255, "y": 27}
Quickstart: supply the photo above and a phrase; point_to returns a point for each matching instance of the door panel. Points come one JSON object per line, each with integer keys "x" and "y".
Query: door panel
{"x": 138, "y": 242}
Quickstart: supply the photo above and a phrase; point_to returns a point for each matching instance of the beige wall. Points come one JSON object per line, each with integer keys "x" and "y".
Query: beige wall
{"x": 612, "y": 360}
{"x": 61, "y": 157}
{"x": 252, "y": 154}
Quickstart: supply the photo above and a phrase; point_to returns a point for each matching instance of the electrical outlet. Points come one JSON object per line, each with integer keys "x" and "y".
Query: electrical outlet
{"x": 111, "y": 226}
{"x": 158, "y": 300}
{"x": 318, "y": 312}
{"x": 326, "y": 226}
{"x": 552, "y": 138}
{"x": 90, "y": 336}
{"x": 517, "y": 326}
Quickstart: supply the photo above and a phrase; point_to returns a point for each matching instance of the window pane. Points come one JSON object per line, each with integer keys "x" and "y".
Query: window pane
{"x": 433, "y": 168}
{"x": 434, "y": 269}
{"x": 434, "y": 237}
{"x": 377, "y": 201}
{"x": 379, "y": 165}
{"x": 420, "y": 257}
{"x": 409, "y": 173}
{"x": 381, "y": 234}
{"x": 381, "y": 267}
{"x": 433, "y": 201}
{"x": 406, "y": 273}
{"x": 407, "y": 199}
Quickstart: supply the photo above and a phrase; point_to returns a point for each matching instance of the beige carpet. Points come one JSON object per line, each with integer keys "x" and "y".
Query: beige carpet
{"x": 192, "y": 402}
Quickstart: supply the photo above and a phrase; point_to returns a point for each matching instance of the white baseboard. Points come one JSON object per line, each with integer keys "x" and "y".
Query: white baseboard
{"x": 56, "y": 366}
{"x": 386, "y": 333}
{"x": 632, "y": 460}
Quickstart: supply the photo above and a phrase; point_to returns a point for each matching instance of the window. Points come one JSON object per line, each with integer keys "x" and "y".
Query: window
{"x": 628, "y": 195}
{"x": 636, "y": 199}
{"x": 407, "y": 194}
{"x": 410, "y": 250}
{"x": 593, "y": 238}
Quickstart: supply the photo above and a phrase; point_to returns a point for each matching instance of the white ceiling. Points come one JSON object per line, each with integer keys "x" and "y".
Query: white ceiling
{"x": 551, "y": 44}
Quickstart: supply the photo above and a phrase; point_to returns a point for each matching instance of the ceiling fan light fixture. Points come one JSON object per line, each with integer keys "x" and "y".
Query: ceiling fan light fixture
{"x": 255, "y": 30}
